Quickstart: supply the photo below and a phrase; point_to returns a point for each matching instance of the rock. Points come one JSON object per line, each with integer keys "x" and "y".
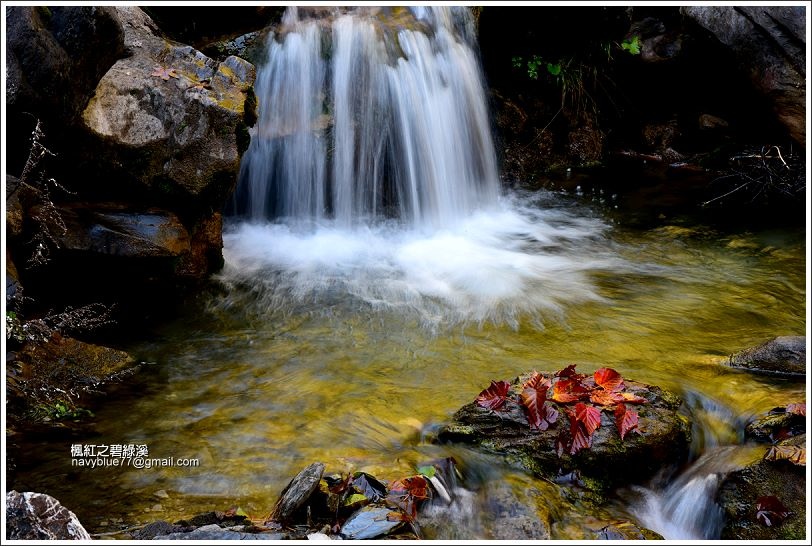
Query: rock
{"x": 586, "y": 143}
{"x": 591, "y": 528}
{"x": 177, "y": 115}
{"x": 14, "y": 209}
{"x": 769, "y": 43}
{"x": 14, "y": 290}
{"x": 60, "y": 365}
{"x": 369, "y": 522}
{"x": 708, "y": 122}
{"x": 513, "y": 515}
{"x": 57, "y": 56}
{"x": 663, "y": 439}
{"x": 155, "y": 529}
{"x": 37, "y": 516}
{"x": 777, "y": 424}
{"x": 215, "y": 532}
{"x": 296, "y": 493}
{"x": 113, "y": 230}
{"x": 740, "y": 491}
{"x": 783, "y": 355}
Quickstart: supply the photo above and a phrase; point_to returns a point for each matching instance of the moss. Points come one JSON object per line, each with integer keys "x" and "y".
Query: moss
{"x": 44, "y": 13}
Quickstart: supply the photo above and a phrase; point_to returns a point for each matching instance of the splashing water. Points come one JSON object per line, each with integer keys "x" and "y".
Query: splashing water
{"x": 373, "y": 173}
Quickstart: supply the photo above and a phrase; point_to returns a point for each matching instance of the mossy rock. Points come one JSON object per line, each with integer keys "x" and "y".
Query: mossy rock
{"x": 740, "y": 491}
{"x": 662, "y": 438}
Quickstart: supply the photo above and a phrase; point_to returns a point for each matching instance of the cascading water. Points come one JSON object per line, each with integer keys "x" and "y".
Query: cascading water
{"x": 372, "y": 173}
{"x": 362, "y": 118}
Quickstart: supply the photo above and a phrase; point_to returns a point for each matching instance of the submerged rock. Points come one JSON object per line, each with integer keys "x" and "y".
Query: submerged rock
{"x": 783, "y": 355}
{"x": 37, "y": 516}
{"x": 662, "y": 438}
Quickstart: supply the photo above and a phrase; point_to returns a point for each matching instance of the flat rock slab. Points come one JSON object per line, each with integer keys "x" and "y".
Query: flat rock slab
{"x": 662, "y": 438}
{"x": 783, "y": 355}
{"x": 215, "y": 532}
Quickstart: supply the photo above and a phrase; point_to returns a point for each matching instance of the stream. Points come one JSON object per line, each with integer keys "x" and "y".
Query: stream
{"x": 370, "y": 291}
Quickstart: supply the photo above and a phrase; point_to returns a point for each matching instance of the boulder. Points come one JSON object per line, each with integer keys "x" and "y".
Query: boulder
{"x": 769, "y": 43}
{"x": 662, "y": 438}
{"x": 56, "y": 56}
{"x": 740, "y": 491}
{"x": 37, "y": 516}
{"x": 783, "y": 356}
{"x": 169, "y": 119}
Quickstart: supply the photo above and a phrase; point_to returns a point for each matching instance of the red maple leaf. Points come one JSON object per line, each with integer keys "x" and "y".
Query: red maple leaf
{"x": 609, "y": 379}
{"x": 536, "y": 381}
{"x": 770, "y": 511}
{"x": 570, "y": 373}
{"x": 589, "y": 416}
{"x": 540, "y": 415}
{"x": 797, "y": 409}
{"x": 578, "y": 435}
{"x": 568, "y": 390}
{"x": 625, "y": 419}
{"x": 494, "y": 396}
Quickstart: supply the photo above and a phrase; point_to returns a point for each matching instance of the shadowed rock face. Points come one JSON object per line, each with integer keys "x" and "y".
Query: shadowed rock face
{"x": 36, "y": 516}
{"x": 662, "y": 438}
{"x": 783, "y": 355}
{"x": 769, "y": 43}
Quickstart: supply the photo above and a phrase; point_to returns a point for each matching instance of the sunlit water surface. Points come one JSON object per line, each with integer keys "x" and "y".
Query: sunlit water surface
{"x": 351, "y": 346}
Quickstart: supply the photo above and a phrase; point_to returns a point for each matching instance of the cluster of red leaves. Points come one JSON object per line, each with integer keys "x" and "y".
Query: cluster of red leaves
{"x": 603, "y": 389}
{"x": 407, "y": 494}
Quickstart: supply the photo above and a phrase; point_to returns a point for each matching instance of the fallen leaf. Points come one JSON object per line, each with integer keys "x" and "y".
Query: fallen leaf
{"x": 609, "y": 379}
{"x": 415, "y": 487}
{"x": 570, "y": 373}
{"x": 794, "y": 454}
{"x": 605, "y": 398}
{"x": 494, "y": 396}
{"x": 630, "y": 398}
{"x": 625, "y": 419}
{"x": 578, "y": 435}
{"x": 590, "y": 416}
{"x": 164, "y": 73}
{"x": 568, "y": 390}
{"x": 536, "y": 381}
{"x": 540, "y": 415}
{"x": 770, "y": 511}
{"x": 797, "y": 409}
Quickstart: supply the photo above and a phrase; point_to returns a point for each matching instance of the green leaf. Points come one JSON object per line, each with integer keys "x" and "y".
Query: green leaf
{"x": 354, "y": 500}
{"x": 554, "y": 69}
{"x": 517, "y": 62}
{"x": 427, "y": 471}
{"x": 632, "y": 45}
{"x": 241, "y": 512}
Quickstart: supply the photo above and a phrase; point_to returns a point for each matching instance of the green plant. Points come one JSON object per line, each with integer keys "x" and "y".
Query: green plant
{"x": 632, "y": 45}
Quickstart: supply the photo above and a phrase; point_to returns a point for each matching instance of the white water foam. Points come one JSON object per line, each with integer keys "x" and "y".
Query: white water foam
{"x": 495, "y": 265}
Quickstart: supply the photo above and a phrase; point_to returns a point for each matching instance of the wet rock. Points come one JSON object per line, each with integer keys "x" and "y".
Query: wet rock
{"x": 14, "y": 290}
{"x": 783, "y": 355}
{"x": 777, "y": 424}
{"x": 369, "y": 522}
{"x": 740, "y": 491}
{"x": 37, "y": 516}
{"x": 175, "y": 113}
{"x": 215, "y": 532}
{"x": 112, "y": 230}
{"x": 155, "y": 529}
{"x": 591, "y": 528}
{"x": 296, "y": 493}
{"x": 511, "y": 514}
{"x": 663, "y": 438}
{"x": 769, "y": 44}
{"x": 709, "y": 122}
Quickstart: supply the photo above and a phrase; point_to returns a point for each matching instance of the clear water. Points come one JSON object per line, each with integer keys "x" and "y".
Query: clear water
{"x": 371, "y": 290}
{"x": 338, "y": 351}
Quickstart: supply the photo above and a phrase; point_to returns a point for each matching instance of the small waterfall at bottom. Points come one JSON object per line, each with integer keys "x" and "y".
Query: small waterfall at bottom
{"x": 686, "y": 508}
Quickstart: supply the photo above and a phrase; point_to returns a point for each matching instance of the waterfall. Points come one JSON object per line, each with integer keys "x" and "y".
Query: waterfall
{"x": 371, "y": 177}
{"x": 370, "y": 113}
